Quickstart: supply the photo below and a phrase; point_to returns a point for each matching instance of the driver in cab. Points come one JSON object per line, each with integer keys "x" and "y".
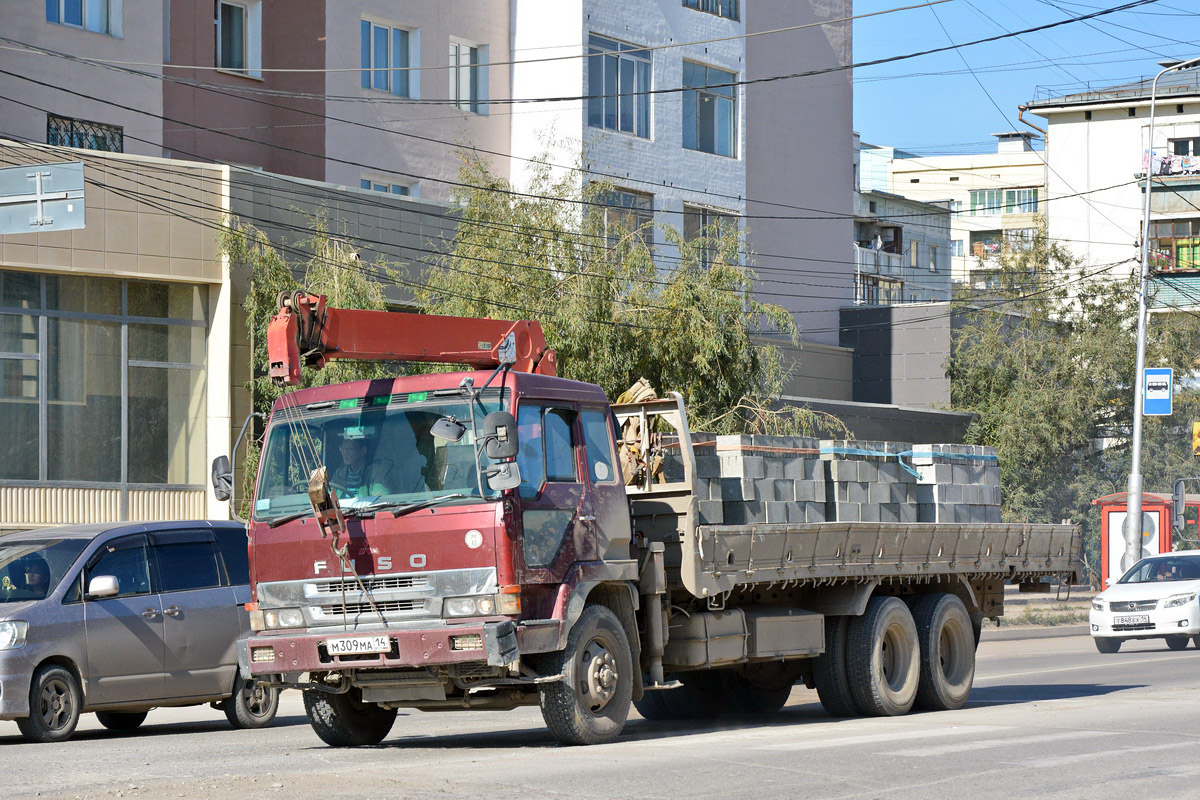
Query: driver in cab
{"x": 359, "y": 475}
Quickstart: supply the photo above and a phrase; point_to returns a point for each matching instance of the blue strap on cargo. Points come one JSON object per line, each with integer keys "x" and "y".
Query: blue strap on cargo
{"x": 857, "y": 451}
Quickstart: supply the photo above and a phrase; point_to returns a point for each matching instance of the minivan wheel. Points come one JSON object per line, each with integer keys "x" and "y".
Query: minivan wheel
{"x": 252, "y": 705}
{"x": 54, "y": 701}
{"x": 121, "y": 720}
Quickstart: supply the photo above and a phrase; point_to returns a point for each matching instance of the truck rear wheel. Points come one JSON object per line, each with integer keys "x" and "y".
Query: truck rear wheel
{"x": 591, "y": 703}
{"x": 344, "y": 720}
{"x": 883, "y": 658}
{"x": 947, "y": 646}
{"x": 829, "y": 671}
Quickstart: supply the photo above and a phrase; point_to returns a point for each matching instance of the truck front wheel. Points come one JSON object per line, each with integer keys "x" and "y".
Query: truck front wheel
{"x": 883, "y": 658}
{"x": 344, "y": 720}
{"x": 591, "y": 702}
{"x": 947, "y": 652}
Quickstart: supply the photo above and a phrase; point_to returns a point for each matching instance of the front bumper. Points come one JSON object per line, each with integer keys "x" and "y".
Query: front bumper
{"x": 493, "y": 642}
{"x": 1179, "y": 621}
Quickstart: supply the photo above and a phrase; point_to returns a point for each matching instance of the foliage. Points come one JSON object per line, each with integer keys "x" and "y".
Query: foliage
{"x": 1046, "y": 361}
{"x": 612, "y": 310}
{"x": 327, "y": 265}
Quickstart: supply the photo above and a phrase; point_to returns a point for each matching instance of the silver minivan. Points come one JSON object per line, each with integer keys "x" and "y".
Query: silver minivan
{"x": 123, "y": 617}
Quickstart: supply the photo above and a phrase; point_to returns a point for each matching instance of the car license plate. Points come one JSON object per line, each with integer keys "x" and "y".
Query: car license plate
{"x": 1140, "y": 619}
{"x": 354, "y": 645}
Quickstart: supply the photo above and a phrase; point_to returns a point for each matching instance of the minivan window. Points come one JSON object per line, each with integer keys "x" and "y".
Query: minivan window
{"x": 234, "y": 550}
{"x": 30, "y": 569}
{"x": 126, "y": 560}
{"x": 187, "y": 565}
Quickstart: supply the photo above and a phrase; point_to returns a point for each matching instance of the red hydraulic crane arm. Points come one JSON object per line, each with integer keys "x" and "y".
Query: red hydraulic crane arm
{"x": 306, "y": 332}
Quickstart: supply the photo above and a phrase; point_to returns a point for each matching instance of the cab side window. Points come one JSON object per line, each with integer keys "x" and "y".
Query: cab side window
{"x": 530, "y": 458}
{"x": 128, "y": 560}
{"x": 560, "y": 447}
{"x": 600, "y": 459}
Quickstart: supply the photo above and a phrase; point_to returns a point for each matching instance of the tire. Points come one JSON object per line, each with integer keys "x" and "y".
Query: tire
{"x": 1107, "y": 644}
{"x": 1177, "y": 642}
{"x": 591, "y": 703}
{"x": 251, "y": 705}
{"x": 1196, "y": 642}
{"x": 54, "y": 704}
{"x": 121, "y": 720}
{"x": 947, "y": 644}
{"x": 829, "y": 671}
{"x": 694, "y": 699}
{"x": 977, "y": 626}
{"x": 883, "y": 658}
{"x": 759, "y": 701}
{"x": 654, "y": 706}
{"x": 344, "y": 720}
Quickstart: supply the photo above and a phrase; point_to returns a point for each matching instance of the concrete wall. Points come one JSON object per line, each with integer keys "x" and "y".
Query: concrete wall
{"x": 800, "y": 160}
{"x": 41, "y": 84}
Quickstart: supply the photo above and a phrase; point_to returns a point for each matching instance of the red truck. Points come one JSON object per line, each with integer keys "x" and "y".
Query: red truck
{"x": 470, "y": 540}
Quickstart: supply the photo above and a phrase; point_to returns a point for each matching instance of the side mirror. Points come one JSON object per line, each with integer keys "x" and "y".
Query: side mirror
{"x": 500, "y": 434}
{"x": 103, "y": 586}
{"x": 448, "y": 428}
{"x": 1110, "y": 581}
{"x": 222, "y": 478}
{"x": 503, "y": 477}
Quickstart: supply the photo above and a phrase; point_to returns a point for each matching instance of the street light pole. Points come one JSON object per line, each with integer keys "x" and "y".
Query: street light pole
{"x": 1133, "y": 517}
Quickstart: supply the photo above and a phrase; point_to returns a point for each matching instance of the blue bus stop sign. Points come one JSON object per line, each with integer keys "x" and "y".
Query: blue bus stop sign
{"x": 1157, "y": 387}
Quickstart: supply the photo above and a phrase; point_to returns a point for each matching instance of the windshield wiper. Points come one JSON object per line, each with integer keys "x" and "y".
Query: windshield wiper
{"x": 275, "y": 523}
{"x": 400, "y": 509}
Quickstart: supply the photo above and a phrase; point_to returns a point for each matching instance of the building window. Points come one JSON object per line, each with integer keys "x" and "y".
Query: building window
{"x": 709, "y": 110}
{"x": 68, "y": 132}
{"x": 1175, "y": 245}
{"x": 239, "y": 36}
{"x": 102, "y": 381}
{"x": 468, "y": 80}
{"x": 699, "y": 221}
{"x": 914, "y": 254}
{"x": 618, "y": 83}
{"x": 385, "y": 58}
{"x": 933, "y": 257}
{"x": 1020, "y": 201}
{"x": 378, "y": 185}
{"x": 1018, "y": 240}
{"x": 956, "y": 248}
{"x": 627, "y": 211}
{"x": 986, "y": 201}
{"x": 101, "y": 16}
{"x": 722, "y": 8}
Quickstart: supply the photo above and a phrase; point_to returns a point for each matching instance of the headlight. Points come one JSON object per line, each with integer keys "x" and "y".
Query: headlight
{"x": 1097, "y": 605}
{"x": 469, "y": 606}
{"x": 12, "y": 634}
{"x": 1177, "y": 600}
{"x": 283, "y": 618}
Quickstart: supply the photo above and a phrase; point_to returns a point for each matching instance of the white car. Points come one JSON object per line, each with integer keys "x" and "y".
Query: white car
{"x": 1155, "y": 599}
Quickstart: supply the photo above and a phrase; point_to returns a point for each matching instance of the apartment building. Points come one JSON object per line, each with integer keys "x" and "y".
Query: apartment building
{"x": 1098, "y": 149}
{"x": 996, "y": 198}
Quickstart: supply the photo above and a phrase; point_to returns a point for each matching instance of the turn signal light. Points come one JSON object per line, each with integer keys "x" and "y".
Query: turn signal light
{"x": 508, "y": 601}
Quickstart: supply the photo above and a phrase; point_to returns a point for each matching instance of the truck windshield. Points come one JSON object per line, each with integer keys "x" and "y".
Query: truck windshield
{"x": 373, "y": 455}
{"x": 30, "y": 569}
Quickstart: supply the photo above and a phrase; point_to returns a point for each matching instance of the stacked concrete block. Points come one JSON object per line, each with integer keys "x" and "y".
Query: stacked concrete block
{"x": 866, "y": 482}
{"x": 963, "y": 481}
{"x": 759, "y": 479}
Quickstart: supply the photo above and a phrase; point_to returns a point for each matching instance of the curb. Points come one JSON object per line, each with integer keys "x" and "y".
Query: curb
{"x": 1032, "y": 632}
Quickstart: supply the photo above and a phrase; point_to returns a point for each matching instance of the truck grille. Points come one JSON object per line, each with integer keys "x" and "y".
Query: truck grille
{"x": 1134, "y": 605}
{"x": 355, "y": 609}
{"x": 351, "y": 585}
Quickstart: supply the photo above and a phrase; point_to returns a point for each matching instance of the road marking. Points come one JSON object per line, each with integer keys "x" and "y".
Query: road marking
{"x": 1058, "y": 761}
{"x": 891, "y": 737}
{"x": 1122, "y": 663}
{"x": 985, "y": 744}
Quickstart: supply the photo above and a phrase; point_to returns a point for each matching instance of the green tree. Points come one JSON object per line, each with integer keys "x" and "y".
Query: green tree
{"x": 613, "y": 312}
{"x": 1046, "y": 361}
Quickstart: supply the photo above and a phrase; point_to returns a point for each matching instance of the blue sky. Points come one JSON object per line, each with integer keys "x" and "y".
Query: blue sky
{"x": 936, "y": 103}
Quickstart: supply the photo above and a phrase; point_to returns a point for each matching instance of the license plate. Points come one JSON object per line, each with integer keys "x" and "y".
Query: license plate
{"x": 1140, "y": 619}
{"x": 354, "y": 645}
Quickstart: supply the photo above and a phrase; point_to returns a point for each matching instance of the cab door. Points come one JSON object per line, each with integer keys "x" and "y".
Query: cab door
{"x": 556, "y": 508}
{"x": 124, "y": 634}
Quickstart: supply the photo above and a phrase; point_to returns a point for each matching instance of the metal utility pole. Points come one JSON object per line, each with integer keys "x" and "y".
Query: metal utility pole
{"x": 1133, "y": 519}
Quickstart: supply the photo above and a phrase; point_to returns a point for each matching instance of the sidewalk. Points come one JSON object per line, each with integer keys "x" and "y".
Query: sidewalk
{"x": 992, "y": 633}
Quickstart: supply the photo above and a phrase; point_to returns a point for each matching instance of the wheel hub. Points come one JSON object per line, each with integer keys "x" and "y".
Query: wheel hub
{"x": 601, "y": 675}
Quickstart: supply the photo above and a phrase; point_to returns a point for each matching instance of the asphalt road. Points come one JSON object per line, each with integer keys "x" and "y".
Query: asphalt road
{"x": 1049, "y": 717}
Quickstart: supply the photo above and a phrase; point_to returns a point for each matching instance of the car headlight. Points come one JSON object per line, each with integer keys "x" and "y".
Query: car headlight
{"x": 469, "y": 606}
{"x": 12, "y": 634}
{"x": 282, "y": 618}
{"x": 1097, "y": 605}
{"x": 1177, "y": 600}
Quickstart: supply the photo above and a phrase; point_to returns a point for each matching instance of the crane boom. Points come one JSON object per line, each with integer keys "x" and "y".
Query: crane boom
{"x": 307, "y": 332}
